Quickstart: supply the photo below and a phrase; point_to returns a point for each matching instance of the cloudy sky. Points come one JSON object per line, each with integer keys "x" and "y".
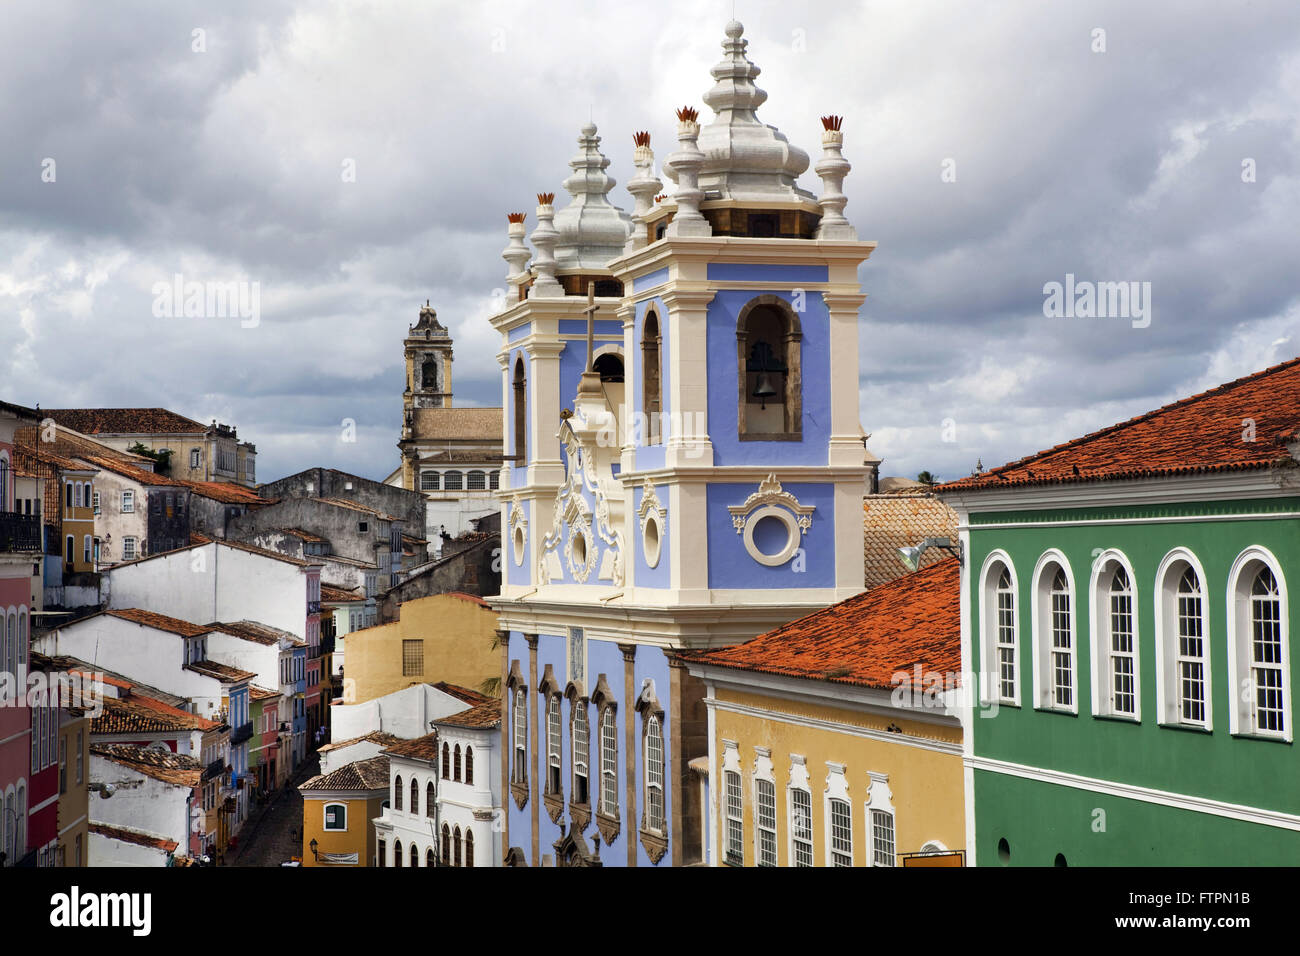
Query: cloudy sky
{"x": 995, "y": 149}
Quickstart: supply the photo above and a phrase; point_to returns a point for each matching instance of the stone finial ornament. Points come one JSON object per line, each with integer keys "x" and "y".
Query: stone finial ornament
{"x": 592, "y": 230}
{"x": 643, "y": 186}
{"x": 745, "y": 159}
{"x": 684, "y": 167}
{"x": 832, "y": 168}
{"x": 544, "y": 238}
{"x": 515, "y": 252}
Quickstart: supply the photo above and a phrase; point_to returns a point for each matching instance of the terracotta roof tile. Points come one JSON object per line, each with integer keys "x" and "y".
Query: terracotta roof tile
{"x": 178, "y": 769}
{"x": 125, "y": 421}
{"x": 375, "y": 736}
{"x": 222, "y": 672}
{"x": 331, "y": 595}
{"x": 485, "y": 715}
{"x": 261, "y": 693}
{"x": 159, "y": 622}
{"x": 225, "y": 492}
{"x": 302, "y": 535}
{"x": 131, "y": 715}
{"x": 126, "y": 470}
{"x": 422, "y": 748}
{"x": 892, "y": 521}
{"x": 471, "y": 697}
{"x": 1202, "y": 434}
{"x": 134, "y": 836}
{"x": 464, "y": 423}
{"x": 370, "y": 774}
{"x": 915, "y": 619}
{"x": 258, "y": 633}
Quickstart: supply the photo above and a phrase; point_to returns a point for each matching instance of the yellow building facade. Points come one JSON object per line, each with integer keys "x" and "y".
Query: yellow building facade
{"x": 820, "y": 751}
{"x": 444, "y": 637}
{"x": 337, "y": 810}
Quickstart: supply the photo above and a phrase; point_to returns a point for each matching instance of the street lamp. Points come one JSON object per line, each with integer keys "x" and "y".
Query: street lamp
{"x": 312, "y": 846}
{"x": 911, "y": 556}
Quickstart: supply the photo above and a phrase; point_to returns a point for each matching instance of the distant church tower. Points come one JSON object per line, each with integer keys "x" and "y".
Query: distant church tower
{"x": 451, "y": 455}
{"x": 428, "y": 363}
{"x": 684, "y": 463}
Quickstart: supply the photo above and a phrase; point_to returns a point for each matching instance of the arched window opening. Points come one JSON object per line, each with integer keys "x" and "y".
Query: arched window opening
{"x": 397, "y": 853}
{"x": 455, "y": 764}
{"x": 469, "y": 765}
{"x": 446, "y": 761}
{"x": 415, "y": 856}
{"x": 397, "y": 793}
{"x": 469, "y": 848}
{"x": 651, "y": 389}
{"x": 768, "y": 351}
{"x": 415, "y": 796}
{"x": 446, "y": 845}
{"x": 456, "y": 847}
{"x": 521, "y": 414}
{"x": 429, "y": 375}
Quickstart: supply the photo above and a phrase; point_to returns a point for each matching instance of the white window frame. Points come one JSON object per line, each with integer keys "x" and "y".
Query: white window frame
{"x": 1101, "y": 653}
{"x": 1242, "y": 714}
{"x": 733, "y": 806}
{"x": 554, "y": 745}
{"x": 837, "y": 790}
{"x": 519, "y": 764}
{"x": 763, "y": 775}
{"x": 656, "y": 798}
{"x": 1165, "y": 604}
{"x": 581, "y": 747}
{"x": 880, "y": 804}
{"x": 1042, "y": 602}
{"x": 990, "y": 659}
{"x": 325, "y": 818}
{"x": 608, "y": 798}
{"x": 800, "y": 784}
{"x": 128, "y": 501}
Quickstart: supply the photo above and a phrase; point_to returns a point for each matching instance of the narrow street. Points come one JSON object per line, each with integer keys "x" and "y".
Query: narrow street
{"x": 272, "y": 836}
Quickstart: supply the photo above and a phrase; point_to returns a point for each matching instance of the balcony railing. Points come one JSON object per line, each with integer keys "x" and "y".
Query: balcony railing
{"x": 214, "y": 769}
{"x": 241, "y": 733}
{"x": 19, "y": 532}
{"x": 313, "y": 607}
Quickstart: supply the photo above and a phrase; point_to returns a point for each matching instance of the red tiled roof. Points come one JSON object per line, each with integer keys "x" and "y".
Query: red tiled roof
{"x": 159, "y": 622}
{"x": 302, "y": 535}
{"x": 263, "y": 634}
{"x": 181, "y": 770}
{"x": 330, "y": 595}
{"x": 225, "y": 492}
{"x": 134, "y": 836}
{"x": 369, "y": 774}
{"x": 261, "y": 693}
{"x": 119, "y": 467}
{"x": 422, "y": 748}
{"x": 130, "y": 715}
{"x": 375, "y": 736}
{"x": 1202, "y": 434}
{"x": 472, "y": 598}
{"x": 471, "y": 697}
{"x": 125, "y": 421}
{"x": 485, "y": 715}
{"x": 915, "y": 619}
{"x": 463, "y": 423}
{"x": 222, "y": 672}
{"x": 893, "y": 521}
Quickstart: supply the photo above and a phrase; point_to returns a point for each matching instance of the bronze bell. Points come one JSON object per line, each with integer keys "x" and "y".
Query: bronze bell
{"x": 764, "y": 390}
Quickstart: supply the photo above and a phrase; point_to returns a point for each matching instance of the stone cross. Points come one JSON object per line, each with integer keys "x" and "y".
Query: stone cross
{"x": 590, "y": 311}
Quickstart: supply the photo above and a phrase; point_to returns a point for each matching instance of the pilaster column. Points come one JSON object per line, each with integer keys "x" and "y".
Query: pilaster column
{"x": 534, "y": 791}
{"x": 544, "y": 404}
{"x": 846, "y": 439}
{"x": 687, "y": 442}
{"x": 503, "y": 638}
{"x": 632, "y": 824}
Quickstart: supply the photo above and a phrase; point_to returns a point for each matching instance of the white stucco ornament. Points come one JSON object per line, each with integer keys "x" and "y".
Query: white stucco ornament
{"x": 744, "y": 158}
{"x": 592, "y": 230}
{"x": 583, "y": 506}
{"x": 652, "y": 517}
{"x": 518, "y": 530}
{"x": 772, "y": 501}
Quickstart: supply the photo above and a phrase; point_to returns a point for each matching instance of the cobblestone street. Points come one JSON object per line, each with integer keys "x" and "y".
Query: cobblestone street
{"x": 274, "y": 836}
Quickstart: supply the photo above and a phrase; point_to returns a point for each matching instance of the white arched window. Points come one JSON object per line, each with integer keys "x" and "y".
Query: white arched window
{"x": 521, "y": 737}
{"x": 554, "y": 744}
{"x": 24, "y": 637}
{"x": 1054, "y": 643}
{"x": 580, "y": 752}
{"x": 1116, "y": 691}
{"x": 1182, "y": 629}
{"x": 608, "y": 763}
{"x": 654, "y": 775}
{"x": 801, "y": 819}
{"x": 1258, "y": 646}
{"x": 998, "y": 632}
{"x": 336, "y": 816}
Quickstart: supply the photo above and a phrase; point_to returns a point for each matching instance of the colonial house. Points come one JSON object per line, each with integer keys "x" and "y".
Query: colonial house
{"x": 450, "y": 455}
{"x": 143, "y": 805}
{"x": 685, "y": 462}
{"x": 332, "y": 483}
{"x": 74, "y": 780}
{"x": 448, "y": 637}
{"x": 337, "y": 754}
{"x": 405, "y": 714}
{"x": 337, "y": 808}
{"x": 446, "y": 790}
{"x": 834, "y": 740}
{"x": 1126, "y": 606}
{"x": 135, "y": 720}
{"x": 198, "y": 452}
{"x": 232, "y": 581}
{"x": 264, "y": 760}
{"x": 139, "y": 513}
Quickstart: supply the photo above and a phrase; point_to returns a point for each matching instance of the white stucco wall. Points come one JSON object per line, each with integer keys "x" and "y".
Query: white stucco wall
{"x": 138, "y": 803}
{"x": 405, "y": 713}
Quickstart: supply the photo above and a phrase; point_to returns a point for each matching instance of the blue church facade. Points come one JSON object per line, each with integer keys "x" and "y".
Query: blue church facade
{"x": 685, "y": 464}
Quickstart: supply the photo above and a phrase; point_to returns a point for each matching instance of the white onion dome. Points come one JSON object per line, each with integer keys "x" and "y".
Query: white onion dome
{"x": 745, "y": 159}
{"x": 592, "y": 229}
